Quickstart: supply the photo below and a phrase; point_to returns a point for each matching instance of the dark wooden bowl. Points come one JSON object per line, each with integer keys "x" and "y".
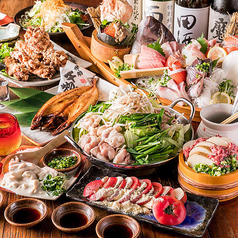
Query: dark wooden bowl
{"x": 56, "y": 35}
{"x": 25, "y": 203}
{"x": 118, "y": 219}
{"x": 63, "y": 152}
{"x": 70, "y": 207}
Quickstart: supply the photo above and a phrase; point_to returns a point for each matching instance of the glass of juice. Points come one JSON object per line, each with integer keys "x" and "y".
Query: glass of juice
{"x": 10, "y": 134}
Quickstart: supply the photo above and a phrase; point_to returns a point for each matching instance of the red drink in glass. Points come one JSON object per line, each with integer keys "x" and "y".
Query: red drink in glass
{"x": 10, "y": 134}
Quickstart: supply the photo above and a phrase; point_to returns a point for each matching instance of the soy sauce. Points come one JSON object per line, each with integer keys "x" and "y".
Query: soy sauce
{"x": 26, "y": 215}
{"x": 117, "y": 231}
{"x": 73, "y": 220}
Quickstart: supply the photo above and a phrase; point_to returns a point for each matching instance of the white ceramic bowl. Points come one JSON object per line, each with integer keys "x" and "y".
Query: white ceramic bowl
{"x": 211, "y": 116}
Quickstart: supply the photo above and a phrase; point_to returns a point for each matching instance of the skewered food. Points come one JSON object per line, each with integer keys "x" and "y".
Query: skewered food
{"x": 60, "y": 111}
{"x": 35, "y": 55}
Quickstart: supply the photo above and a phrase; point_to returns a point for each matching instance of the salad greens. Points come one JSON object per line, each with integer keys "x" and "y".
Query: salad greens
{"x": 76, "y": 17}
{"x": 5, "y": 51}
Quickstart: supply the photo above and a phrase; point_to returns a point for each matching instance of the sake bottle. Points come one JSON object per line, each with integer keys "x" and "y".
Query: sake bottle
{"x": 137, "y": 11}
{"x": 220, "y": 12}
{"x": 190, "y": 19}
{"x": 161, "y": 10}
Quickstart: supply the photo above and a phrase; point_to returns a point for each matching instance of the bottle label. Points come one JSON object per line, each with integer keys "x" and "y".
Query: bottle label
{"x": 162, "y": 11}
{"x": 190, "y": 23}
{"x": 137, "y": 11}
{"x": 217, "y": 25}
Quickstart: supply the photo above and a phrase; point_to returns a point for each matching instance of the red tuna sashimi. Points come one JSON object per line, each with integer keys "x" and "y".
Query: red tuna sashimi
{"x": 178, "y": 75}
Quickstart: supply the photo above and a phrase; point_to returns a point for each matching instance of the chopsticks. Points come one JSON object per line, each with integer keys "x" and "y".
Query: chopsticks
{"x": 230, "y": 119}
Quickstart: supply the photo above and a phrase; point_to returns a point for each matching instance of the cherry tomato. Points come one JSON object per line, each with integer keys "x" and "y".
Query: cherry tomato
{"x": 169, "y": 211}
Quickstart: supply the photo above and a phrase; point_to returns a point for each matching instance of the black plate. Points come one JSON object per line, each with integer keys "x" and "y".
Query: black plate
{"x": 200, "y": 210}
{"x": 72, "y": 5}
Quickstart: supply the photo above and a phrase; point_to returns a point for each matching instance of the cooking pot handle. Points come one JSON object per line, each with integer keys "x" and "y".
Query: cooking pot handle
{"x": 187, "y": 102}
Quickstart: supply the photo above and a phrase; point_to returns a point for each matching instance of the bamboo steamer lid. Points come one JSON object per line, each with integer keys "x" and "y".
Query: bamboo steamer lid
{"x": 105, "y": 52}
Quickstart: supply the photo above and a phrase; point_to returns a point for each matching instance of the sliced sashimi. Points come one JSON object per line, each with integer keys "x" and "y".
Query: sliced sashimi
{"x": 167, "y": 93}
{"x": 196, "y": 89}
{"x": 178, "y": 75}
{"x": 230, "y": 40}
{"x": 150, "y": 65}
{"x": 230, "y": 48}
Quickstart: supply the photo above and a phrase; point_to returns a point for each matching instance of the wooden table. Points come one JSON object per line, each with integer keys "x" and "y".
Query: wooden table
{"x": 223, "y": 225}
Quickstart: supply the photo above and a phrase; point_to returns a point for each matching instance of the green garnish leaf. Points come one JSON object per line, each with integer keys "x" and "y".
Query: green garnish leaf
{"x": 227, "y": 87}
{"x": 201, "y": 40}
{"x": 156, "y": 46}
{"x": 214, "y": 63}
{"x": 5, "y": 51}
{"x": 123, "y": 67}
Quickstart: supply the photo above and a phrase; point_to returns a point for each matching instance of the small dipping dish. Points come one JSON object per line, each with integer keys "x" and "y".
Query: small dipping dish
{"x": 212, "y": 116}
{"x": 64, "y": 152}
{"x": 25, "y": 212}
{"x": 73, "y": 217}
{"x": 118, "y": 226}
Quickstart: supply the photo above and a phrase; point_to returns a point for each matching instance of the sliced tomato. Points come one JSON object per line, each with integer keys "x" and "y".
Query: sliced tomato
{"x": 169, "y": 211}
{"x": 111, "y": 182}
{"x": 157, "y": 189}
{"x": 180, "y": 195}
{"x": 149, "y": 195}
{"x": 92, "y": 187}
{"x": 123, "y": 184}
{"x": 136, "y": 183}
{"x": 101, "y": 194}
{"x": 167, "y": 191}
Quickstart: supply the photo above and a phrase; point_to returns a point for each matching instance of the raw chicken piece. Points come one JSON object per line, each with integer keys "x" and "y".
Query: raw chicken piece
{"x": 87, "y": 142}
{"x": 123, "y": 157}
{"x": 103, "y": 152}
{"x": 92, "y": 121}
{"x": 104, "y": 132}
{"x": 115, "y": 139}
{"x": 93, "y": 131}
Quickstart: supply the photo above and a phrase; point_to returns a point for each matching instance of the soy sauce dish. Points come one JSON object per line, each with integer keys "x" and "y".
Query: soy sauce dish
{"x": 73, "y": 217}
{"x": 62, "y": 160}
{"x": 25, "y": 212}
{"x": 118, "y": 226}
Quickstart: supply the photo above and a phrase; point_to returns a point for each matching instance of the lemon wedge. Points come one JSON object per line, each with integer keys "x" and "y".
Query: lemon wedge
{"x": 219, "y": 97}
{"x": 217, "y": 52}
{"x": 115, "y": 63}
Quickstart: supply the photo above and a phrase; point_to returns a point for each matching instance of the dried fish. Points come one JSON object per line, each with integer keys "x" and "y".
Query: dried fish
{"x": 60, "y": 111}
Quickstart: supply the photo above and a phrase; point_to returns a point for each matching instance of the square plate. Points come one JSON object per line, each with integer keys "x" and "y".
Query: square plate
{"x": 200, "y": 210}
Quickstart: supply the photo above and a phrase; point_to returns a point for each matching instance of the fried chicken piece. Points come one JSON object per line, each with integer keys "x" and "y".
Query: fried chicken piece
{"x": 16, "y": 69}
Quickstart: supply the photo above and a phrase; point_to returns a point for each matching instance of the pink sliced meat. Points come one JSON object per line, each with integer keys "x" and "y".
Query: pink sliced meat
{"x": 193, "y": 75}
{"x": 174, "y": 46}
{"x": 149, "y": 65}
{"x": 196, "y": 89}
{"x": 168, "y": 50}
{"x": 168, "y": 93}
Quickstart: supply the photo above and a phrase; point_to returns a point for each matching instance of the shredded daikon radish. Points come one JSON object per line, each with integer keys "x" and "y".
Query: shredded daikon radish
{"x": 53, "y": 13}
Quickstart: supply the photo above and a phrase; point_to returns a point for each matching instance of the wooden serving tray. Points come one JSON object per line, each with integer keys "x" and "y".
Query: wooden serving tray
{"x": 82, "y": 45}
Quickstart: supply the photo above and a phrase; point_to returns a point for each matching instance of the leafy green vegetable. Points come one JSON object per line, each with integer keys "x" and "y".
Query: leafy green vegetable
{"x": 132, "y": 36}
{"x": 214, "y": 63}
{"x": 54, "y": 185}
{"x": 227, "y": 87}
{"x": 104, "y": 23}
{"x": 63, "y": 162}
{"x": 5, "y": 51}
{"x": 201, "y": 40}
{"x": 156, "y": 46}
{"x": 123, "y": 67}
{"x": 164, "y": 78}
{"x": 75, "y": 16}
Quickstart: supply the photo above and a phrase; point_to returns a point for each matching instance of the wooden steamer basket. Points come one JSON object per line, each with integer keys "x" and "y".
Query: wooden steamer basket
{"x": 82, "y": 45}
{"x": 224, "y": 187}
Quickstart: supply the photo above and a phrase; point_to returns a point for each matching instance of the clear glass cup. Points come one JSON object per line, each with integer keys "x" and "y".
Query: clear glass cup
{"x": 10, "y": 134}
{"x": 4, "y": 91}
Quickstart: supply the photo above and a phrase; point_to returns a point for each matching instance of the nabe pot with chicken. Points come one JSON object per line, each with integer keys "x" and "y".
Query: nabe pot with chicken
{"x": 130, "y": 135}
